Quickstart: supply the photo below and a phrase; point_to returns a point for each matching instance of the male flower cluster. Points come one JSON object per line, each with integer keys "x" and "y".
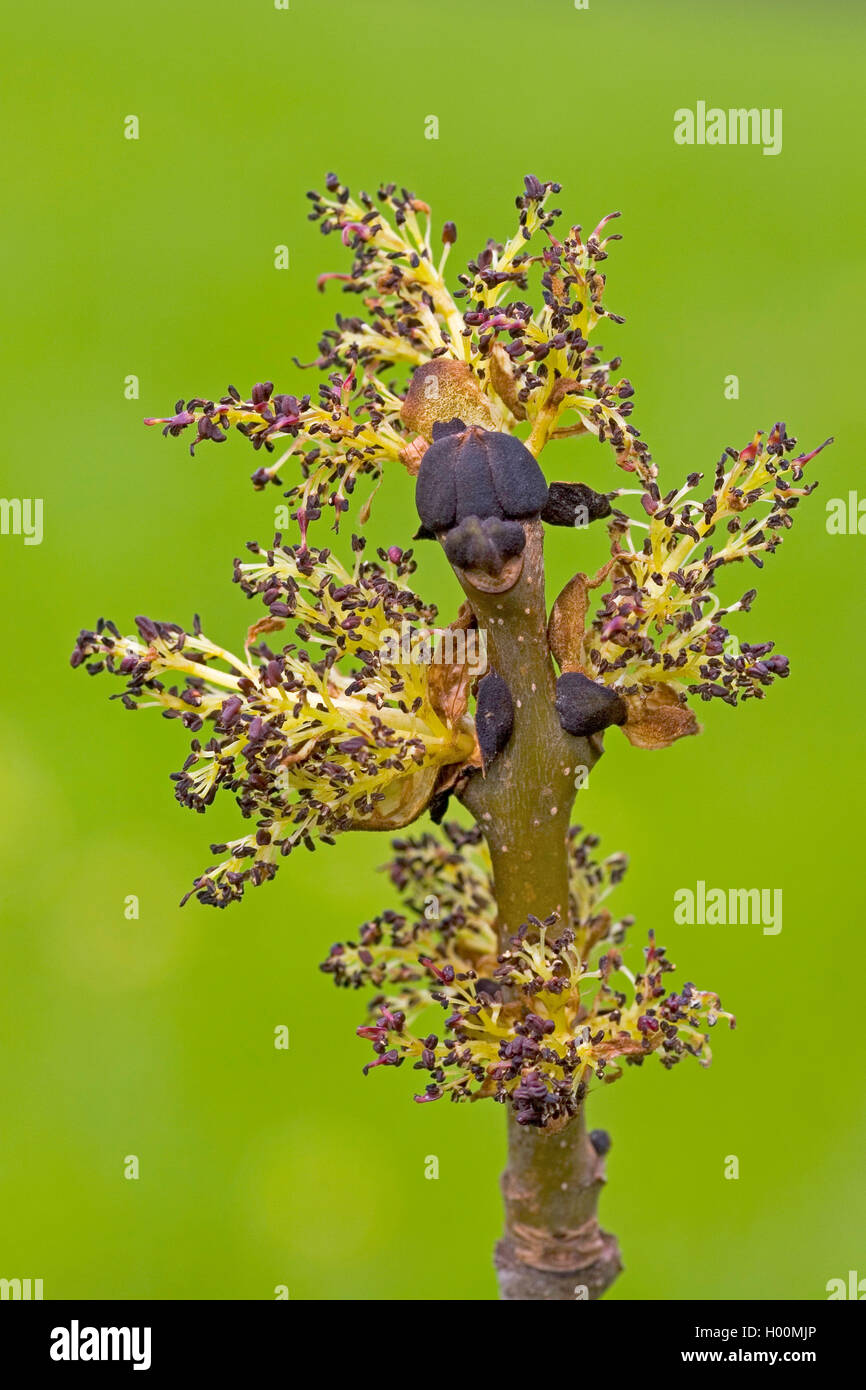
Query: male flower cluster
{"x": 332, "y": 731}
{"x": 661, "y": 624}
{"x": 659, "y": 634}
{"x": 529, "y": 1026}
{"x": 505, "y": 361}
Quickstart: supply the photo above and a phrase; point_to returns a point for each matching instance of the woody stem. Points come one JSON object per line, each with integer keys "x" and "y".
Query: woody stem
{"x": 552, "y": 1247}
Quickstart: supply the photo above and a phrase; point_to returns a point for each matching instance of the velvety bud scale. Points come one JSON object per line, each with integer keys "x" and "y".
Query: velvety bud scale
{"x": 475, "y": 472}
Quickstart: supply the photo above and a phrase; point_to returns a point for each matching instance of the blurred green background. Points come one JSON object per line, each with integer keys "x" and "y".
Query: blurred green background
{"x": 156, "y": 258}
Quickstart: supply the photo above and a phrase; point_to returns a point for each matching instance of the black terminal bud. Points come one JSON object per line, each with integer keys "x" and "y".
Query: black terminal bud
{"x": 484, "y": 545}
{"x": 585, "y": 707}
{"x": 600, "y": 1140}
{"x": 443, "y": 427}
{"x": 469, "y": 471}
{"x": 494, "y": 716}
{"x": 574, "y": 504}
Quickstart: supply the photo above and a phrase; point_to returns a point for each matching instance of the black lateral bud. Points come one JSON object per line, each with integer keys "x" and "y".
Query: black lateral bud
{"x": 494, "y": 716}
{"x": 484, "y": 545}
{"x": 438, "y": 806}
{"x": 600, "y": 1140}
{"x": 574, "y": 504}
{"x": 477, "y": 472}
{"x": 585, "y": 707}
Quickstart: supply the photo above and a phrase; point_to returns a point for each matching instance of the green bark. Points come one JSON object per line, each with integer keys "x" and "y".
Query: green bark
{"x": 552, "y": 1247}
